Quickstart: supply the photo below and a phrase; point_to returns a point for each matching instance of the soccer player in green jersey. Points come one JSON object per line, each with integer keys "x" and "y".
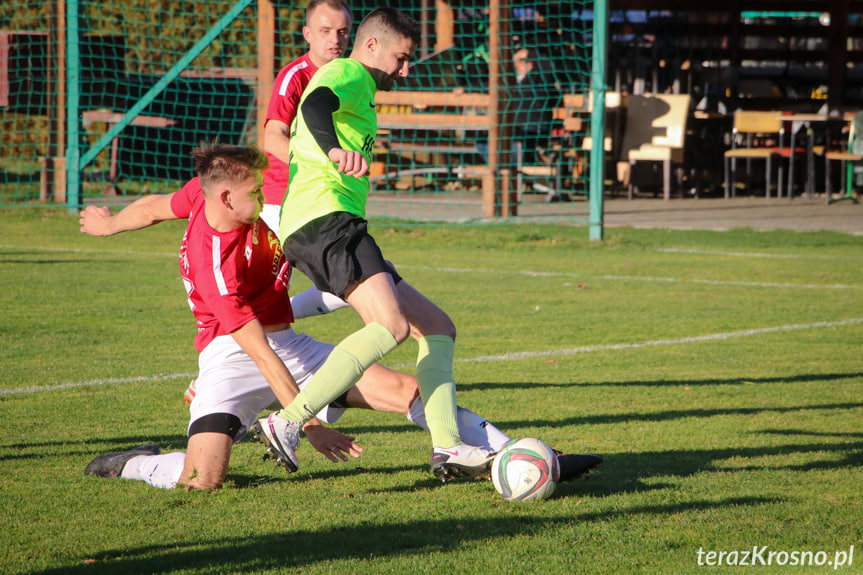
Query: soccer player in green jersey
{"x": 324, "y": 234}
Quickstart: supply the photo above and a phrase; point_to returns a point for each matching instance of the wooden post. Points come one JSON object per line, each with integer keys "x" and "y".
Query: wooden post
{"x": 44, "y": 174}
{"x": 60, "y": 181}
{"x": 423, "y": 48}
{"x": 52, "y": 183}
{"x": 444, "y": 26}
{"x": 61, "y": 80}
{"x": 266, "y": 63}
{"x": 489, "y": 203}
{"x": 505, "y": 198}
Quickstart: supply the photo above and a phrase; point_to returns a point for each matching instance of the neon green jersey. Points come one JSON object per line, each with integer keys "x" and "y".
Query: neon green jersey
{"x": 316, "y": 187}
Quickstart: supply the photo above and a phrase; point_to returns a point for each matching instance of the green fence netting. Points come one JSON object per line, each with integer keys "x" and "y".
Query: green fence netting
{"x": 491, "y": 122}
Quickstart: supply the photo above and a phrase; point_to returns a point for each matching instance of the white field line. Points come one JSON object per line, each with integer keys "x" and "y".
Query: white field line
{"x": 662, "y": 342}
{"x": 633, "y": 278}
{"x": 533, "y": 273}
{"x": 90, "y": 251}
{"x": 660, "y": 250}
{"x": 516, "y": 356}
{"x": 96, "y": 383}
{"x": 749, "y": 254}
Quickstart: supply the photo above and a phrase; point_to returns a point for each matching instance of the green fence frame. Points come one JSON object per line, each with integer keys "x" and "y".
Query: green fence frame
{"x": 79, "y": 155}
{"x": 597, "y": 120}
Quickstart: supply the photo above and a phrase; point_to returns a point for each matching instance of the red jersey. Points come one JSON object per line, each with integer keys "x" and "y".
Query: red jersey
{"x": 230, "y": 277}
{"x": 289, "y": 86}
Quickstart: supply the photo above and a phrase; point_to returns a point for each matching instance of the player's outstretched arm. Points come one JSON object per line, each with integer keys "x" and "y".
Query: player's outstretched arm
{"x": 330, "y": 442}
{"x": 143, "y": 212}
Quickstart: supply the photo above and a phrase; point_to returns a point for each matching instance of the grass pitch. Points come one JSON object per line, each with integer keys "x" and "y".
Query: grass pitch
{"x": 719, "y": 373}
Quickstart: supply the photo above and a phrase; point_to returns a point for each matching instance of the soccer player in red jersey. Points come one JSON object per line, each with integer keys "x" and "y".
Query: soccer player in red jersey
{"x": 327, "y": 30}
{"x": 236, "y": 281}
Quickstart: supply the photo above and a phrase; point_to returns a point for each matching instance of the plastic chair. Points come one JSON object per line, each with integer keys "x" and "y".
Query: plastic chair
{"x": 655, "y": 132}
{"x": 754, "y": 127}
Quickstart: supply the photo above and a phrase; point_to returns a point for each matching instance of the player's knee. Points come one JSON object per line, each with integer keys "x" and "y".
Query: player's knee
{"x": 402, "y": 395}
{"x": 405, "y": 391}
{"x": 210, "y": 441}
{"x": 400, "y": 329}
{"x": 225, "y": 423}
{"x": 443, "y": 325}
{"x": 410, "y": 393}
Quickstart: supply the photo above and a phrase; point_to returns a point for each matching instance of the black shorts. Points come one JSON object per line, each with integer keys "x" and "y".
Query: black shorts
{"x": 335, "y": 250}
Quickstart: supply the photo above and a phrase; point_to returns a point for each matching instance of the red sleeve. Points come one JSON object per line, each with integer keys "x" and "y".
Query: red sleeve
{"x": 184, "y": 200}
{"x": 288, "y": 89}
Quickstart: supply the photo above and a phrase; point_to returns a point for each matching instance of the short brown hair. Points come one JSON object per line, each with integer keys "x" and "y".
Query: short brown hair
{"x": 217, "y": 163}
{"x": 387, "y": 22}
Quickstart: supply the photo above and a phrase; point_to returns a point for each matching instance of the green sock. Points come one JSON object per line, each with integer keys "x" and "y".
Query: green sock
{"x": 437, "y": 388}
{"x": 342, "y": 369}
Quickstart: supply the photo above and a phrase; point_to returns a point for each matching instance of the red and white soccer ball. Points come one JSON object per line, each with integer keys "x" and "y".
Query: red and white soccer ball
{"x": 525, "y": 469}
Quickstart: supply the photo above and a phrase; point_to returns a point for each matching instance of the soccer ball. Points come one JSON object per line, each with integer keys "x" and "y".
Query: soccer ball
{"x": 525, "y": 469}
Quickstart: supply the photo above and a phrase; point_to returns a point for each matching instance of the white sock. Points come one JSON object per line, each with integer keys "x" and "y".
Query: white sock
{"x": 162, "y": 471}
{"x": 473, "y": 429}
{"x": 315, "y": 302}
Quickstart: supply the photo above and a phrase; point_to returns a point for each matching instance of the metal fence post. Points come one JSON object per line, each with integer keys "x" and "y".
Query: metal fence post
{"x": 73, "y": 120}
{"x": 597, "y": 119}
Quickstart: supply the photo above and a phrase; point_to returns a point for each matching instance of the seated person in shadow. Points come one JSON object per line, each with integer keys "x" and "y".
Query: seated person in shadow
{"x": 533, "y": 97}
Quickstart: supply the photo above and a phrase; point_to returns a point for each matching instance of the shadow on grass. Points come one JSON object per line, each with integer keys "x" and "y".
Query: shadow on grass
{"x": 810, "y": 433}
{"x": 297, "y": 549}
{"x": 619, "y": 472}
{"x": 93, "y": 447}
{"x": 670, "y": 415}
{"x": 604, "y": 419}
{"x": 7, "y": 260}
{"x": 801, "y": 378}
{"x": 628, "y": 472}
{"x": 633, "y": 465}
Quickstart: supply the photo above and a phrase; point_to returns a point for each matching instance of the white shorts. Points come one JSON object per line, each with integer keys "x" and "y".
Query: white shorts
{"x": 230, "y": 382}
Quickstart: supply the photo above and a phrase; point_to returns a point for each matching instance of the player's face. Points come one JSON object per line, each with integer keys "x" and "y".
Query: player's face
{"x": 247, "y": 199}
{"x": 327, "y": 33}
{"x": 390, "y": 61}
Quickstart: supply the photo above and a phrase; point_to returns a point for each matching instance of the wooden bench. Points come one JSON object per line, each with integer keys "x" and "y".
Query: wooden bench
{"x": 406, "y": 110}
{"x": 110, "y": 117}
{"x": 403, "y": 113}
